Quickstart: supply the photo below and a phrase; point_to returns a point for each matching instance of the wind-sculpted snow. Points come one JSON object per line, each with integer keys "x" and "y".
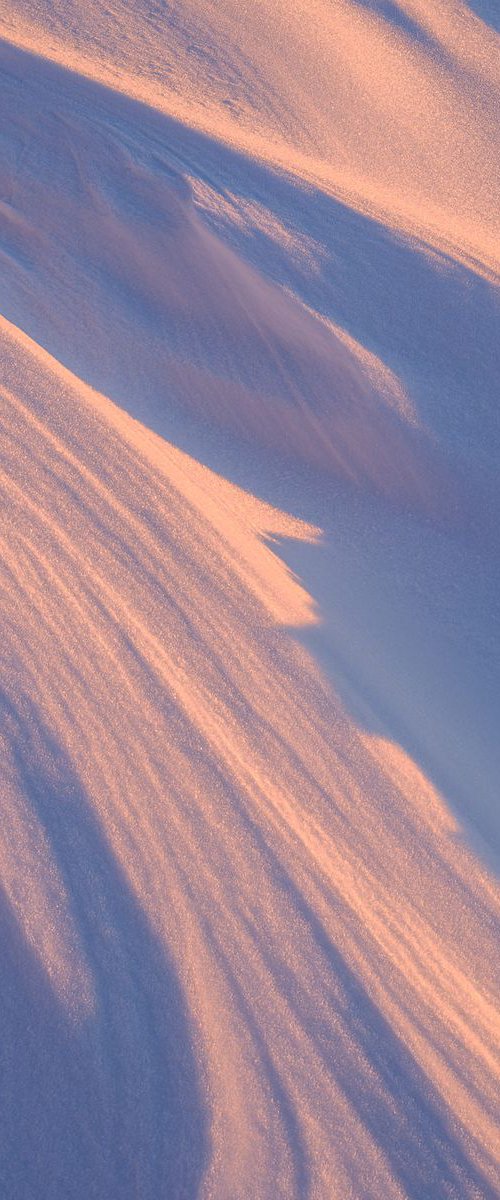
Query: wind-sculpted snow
{"x": 392, "y": 104}
{"x": 246, "y": 953}
{"x": 249, "y": 577}
{"x": 103, "y": 247}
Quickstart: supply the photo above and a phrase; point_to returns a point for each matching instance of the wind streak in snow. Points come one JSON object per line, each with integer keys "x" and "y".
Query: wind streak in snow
{"x": 254, "y": 958}
{"x": 248, "y": 950}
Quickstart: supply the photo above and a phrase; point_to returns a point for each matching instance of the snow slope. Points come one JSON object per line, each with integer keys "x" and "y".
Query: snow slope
{"x": 250, "y": 669}
{"x": 395, "y": 102}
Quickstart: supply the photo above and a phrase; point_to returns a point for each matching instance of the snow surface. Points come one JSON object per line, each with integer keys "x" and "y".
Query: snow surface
{"x": 250, "y": 662}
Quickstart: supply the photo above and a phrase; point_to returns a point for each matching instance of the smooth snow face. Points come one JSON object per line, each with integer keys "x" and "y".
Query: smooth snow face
{"x": 250, "y": 665}
{"x": 391, "y": 104}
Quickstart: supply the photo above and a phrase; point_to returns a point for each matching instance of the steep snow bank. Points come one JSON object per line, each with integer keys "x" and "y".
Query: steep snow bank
{"x": 246, "y": 952}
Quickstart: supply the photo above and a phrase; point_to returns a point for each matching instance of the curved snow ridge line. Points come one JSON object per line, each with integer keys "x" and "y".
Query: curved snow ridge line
{"x": 414, "y": 93}
{"x": 113, "y": 268}
{"x": 228, "y": 509}
{"x": 290, "y": 955}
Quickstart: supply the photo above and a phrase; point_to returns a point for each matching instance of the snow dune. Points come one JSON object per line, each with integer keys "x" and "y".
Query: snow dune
{"x": 243, "y": 961}
{"x": 249, "y": 365}
{"x": 103, "y": 244}
{"x": 393, "y": 102}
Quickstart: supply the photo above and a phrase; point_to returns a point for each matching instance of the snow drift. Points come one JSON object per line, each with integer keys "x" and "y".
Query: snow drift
{"x": 249, "y": 364}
